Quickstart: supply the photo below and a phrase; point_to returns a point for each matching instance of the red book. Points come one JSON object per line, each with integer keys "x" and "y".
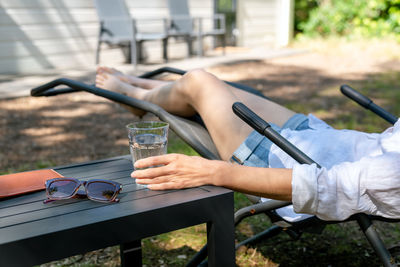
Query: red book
{"x": 25, "y": 182}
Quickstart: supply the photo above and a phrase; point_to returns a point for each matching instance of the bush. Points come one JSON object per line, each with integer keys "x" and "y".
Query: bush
{"x": 373, "y": 18}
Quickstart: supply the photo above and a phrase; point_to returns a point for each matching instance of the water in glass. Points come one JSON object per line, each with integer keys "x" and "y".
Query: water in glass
{"x": 147, "y": 145}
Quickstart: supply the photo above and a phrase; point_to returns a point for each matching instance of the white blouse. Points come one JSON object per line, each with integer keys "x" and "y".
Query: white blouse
{"x": 360, "y": 171}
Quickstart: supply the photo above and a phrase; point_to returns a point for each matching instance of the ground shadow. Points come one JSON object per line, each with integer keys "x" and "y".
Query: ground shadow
{"x": 37, "y": 132}
{"x": 60, "y": 130}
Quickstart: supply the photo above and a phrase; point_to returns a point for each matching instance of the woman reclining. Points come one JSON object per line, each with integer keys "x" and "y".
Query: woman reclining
{"x": 361, "y": 171}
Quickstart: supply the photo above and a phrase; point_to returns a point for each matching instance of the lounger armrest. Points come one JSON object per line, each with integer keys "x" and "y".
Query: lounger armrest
{"x": 104, "y": 29}
{"x": 259, "y": 208}
{"x": 165, "y": 22}
{"x": 367, "y": 103}
{"x": 134, "y": 23}
{"x": 215, "y": 18}
{"x": 198, "y": 21}
{"x": 117, "y": 19}
{"x": 181, "y": 17}
{"x": 173, "y": 22}
{"x": 133, "y": 19}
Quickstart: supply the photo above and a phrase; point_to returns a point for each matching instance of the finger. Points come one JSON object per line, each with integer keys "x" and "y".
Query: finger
{"x": 99, "y": 69}
{"x": 158, "y": 180}
{"x": 99, "y": 84}
{"x": 163, "y": 186}
{"x": 144, "y": 181}
{"x": 154, "y": 161}
{"x": 99, "y": 78}
{"x": 151, "y": 172}
{"x": 102, "y": 69}
{"x": 104, "y": 75}
{"x": 107, "y": 70}
{"x": 151, "y": 161}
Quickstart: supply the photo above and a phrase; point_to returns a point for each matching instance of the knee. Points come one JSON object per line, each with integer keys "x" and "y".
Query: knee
{"x": 196, "y": 74}
{"x": 197, "y": 81}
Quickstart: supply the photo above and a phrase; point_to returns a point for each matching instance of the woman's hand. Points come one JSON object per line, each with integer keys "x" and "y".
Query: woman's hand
{"x": 177, "y": 171}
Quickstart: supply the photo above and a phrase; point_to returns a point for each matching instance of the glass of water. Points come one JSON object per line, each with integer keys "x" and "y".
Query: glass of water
{"x": 147, "y": 138}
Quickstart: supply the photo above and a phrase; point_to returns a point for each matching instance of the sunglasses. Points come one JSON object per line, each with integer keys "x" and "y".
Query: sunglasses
{"x": 97, "y": 190}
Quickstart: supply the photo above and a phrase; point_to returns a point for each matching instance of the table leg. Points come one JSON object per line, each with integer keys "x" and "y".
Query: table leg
{"x": 221, "y": 239}
{"x": 131, "y": 254}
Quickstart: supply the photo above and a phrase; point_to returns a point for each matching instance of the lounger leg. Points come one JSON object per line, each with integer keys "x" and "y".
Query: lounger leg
{"x": 200, "y": 40}
{"x": 374, "y": 239}
{"x": 268, "y": 233}
{"x": 131, "y": 254}
{"x": 98, "y": 52}
{"x": 189, "y": 41}
{"x": 165, "y": 49}
{"x": 199, "y": 46}
{"x": 99, "y": 43}
{"x": 134, "y": 53}
{"x": 198, "y": 257}
{"x": 223, "y": 44}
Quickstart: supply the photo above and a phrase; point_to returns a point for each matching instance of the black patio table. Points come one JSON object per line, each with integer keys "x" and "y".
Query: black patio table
{"x": 33, "y": 233}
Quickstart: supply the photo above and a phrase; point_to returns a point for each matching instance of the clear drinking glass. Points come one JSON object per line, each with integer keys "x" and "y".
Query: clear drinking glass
{"x": 147, "y": 138}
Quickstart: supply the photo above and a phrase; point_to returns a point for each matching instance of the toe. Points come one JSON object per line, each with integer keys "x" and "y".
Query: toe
{"x": 100, "y": 69}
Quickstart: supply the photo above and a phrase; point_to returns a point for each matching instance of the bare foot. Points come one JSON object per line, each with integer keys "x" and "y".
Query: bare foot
{"x": 110, "y": 82}
{"x": 120, "y": 75}
{"x": 113, "y": 83}
{"x": 133, "y": 80}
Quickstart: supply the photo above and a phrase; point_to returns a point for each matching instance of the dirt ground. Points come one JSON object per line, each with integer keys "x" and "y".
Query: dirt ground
{"x": 79, "y": 127}
{"x": 43, "y": 132}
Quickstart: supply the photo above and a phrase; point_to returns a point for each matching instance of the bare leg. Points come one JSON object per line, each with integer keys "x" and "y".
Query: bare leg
{"x": 170, "y": 103}
{"x": 201, "y": 92}
{"x": 113, "y": 83}
{"x": 213, "y": 100}
{"x": 133, "y": 80}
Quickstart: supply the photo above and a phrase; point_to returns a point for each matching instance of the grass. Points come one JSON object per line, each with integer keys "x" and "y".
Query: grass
{"x": 382, "y": 88}
{"x": 26, "y": 167}
{"x": 376, "y": 47}
{"x": 339, "y": 244}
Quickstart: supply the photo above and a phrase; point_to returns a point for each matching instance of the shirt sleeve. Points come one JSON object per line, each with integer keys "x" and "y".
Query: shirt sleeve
{"x": 370, "y": 185}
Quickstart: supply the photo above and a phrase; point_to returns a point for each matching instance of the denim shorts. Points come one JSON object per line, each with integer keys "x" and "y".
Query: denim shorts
{"x": 254, "y": 151}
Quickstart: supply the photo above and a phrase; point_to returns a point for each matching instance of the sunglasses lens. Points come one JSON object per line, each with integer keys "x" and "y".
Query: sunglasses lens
{"x": 61, "y": 188}
{"x": 102, "y": 191}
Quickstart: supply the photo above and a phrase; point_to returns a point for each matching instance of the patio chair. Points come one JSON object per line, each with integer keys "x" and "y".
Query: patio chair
{"x": 196, "y": 135}
{"x": 182, "y": 24}
{"x": 119, "y": 29}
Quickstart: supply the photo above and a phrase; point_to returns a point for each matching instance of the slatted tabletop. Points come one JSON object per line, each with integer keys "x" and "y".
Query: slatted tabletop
{"x": 32, "y": 232}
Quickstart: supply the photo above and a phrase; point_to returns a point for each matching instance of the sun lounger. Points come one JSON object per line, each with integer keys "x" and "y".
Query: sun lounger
{"x": 195, "y": 134}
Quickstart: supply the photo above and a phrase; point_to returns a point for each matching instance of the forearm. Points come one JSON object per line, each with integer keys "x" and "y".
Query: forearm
{"x": 266, "y": 182}
{"x": 180, "y": 171}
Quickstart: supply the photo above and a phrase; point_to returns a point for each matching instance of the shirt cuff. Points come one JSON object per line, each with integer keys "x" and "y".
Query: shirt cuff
{"x": 305, "y": 188}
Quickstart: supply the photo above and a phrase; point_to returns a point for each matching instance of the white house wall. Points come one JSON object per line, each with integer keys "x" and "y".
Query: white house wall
{"x": 266, "y": 23}
{"x": 41, "y": 35}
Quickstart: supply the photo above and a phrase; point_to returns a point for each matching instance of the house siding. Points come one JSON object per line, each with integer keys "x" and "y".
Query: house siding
{"x": 266, "y": 23}
{"x": 38, "y": 36}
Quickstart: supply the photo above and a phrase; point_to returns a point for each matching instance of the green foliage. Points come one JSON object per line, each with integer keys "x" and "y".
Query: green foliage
{"x": 177, "y": 145}
{"x": 359, "y": 18}
{"x": 302, "y": 10}
{"x": 224, "y": 5}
